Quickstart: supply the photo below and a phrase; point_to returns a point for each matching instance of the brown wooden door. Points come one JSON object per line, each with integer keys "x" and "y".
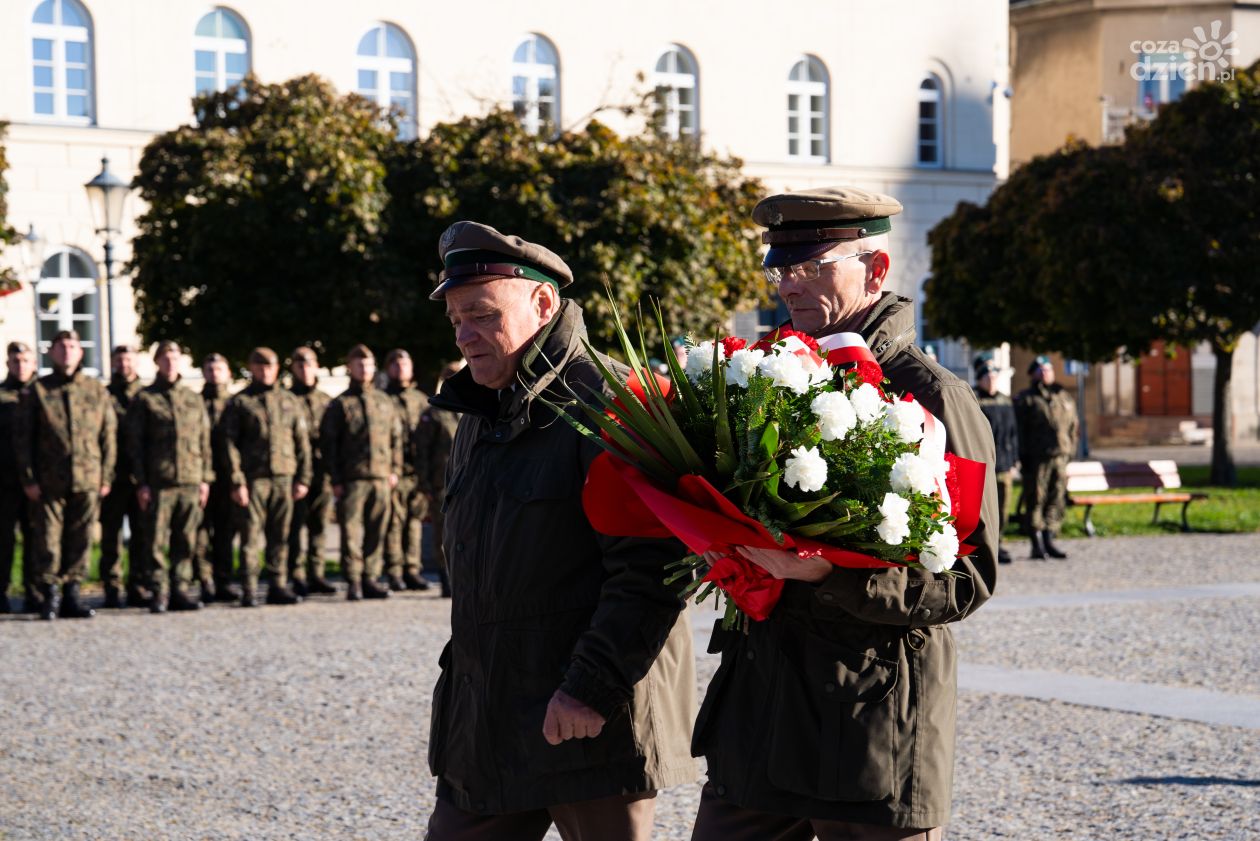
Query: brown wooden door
{"x": 1164, "y": 383}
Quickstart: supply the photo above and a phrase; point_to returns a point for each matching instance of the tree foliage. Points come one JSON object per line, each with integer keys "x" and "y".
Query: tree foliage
{"x": 8, "y": 236}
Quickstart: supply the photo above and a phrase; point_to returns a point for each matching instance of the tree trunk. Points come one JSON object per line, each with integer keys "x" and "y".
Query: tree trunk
{"x": 1223, "y": 470}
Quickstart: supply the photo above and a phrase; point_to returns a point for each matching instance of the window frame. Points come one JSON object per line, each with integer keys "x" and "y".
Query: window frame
{"x": 221, "y": 47}
{"x": 926, "y": 95}
{"x": 383, "y": 64}
{"x": 60, "y": 35}
{"x": 64, "y": 284}
{"x": 667, "y": 84}
{"x": 531, "y": 119}
{"x": 806, "y": 89}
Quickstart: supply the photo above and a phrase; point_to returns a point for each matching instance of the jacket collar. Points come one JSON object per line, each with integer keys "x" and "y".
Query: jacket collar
{"x": 302, "y": 389}
{"x": 889, "y": 326}
{"x": 256, "y": 387}
{"x": 14, "y": 383}
{"x": 160, "y": 384}
{"x": 360, "y": 388}
{"x": 214, "y": 391}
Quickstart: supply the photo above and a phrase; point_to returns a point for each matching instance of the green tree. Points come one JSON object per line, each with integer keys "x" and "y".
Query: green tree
{"x": 9, "y": 281}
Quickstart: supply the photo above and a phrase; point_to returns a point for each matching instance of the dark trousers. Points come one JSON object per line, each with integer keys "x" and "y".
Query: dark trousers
{"x": 1005, "y": 486}
{"x": 63, "y": 535}
{"x": 14, "y": 516}
{"x": 121, "y": 503}
{"x": 626, "y": 817}
{"x": 721, "y": 820}
{"x": 214, "y": 560}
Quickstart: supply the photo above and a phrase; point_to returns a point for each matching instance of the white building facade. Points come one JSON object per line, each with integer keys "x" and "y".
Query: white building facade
{"x": 903, "y": 97}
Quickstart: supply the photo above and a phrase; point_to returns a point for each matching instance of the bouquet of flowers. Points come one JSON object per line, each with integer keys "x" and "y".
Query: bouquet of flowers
{"x": 784, "y": 444}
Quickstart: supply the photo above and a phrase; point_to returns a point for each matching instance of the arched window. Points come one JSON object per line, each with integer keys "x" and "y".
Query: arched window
{"x": 536, "y": 85}
{"x": 930, "y": 102}
{"x": 807, "y": 111}
{"x": 385, "y": 72}
{"x": 61, "y": 61}
{"x": 221, "y": 51}
{"x": 66, "y": 299}
{"x": 677, "y": 92}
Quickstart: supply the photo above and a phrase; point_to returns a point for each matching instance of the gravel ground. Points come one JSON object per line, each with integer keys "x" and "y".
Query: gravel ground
{"x": 311, "y": 722}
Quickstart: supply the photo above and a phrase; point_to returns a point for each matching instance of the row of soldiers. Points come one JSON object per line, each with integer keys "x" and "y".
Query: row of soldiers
{"x": 192, "y": 472}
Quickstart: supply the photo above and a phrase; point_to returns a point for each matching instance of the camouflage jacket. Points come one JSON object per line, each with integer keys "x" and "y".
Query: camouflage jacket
{"x": 432, "y": 441}
{"x": 168, "y": 437}
{"x": 65, "y": 436}
{"x": 361, "y": 436}
{"x": 315, "y": 402}
{"x": 411, "y": 403}
{"x": 1047, "y": 422}
{"x": 215, "y": 399}
{"x": 122, "y": 392}
{"x": 264, "y": 436}
{"x": 10, "y": 393}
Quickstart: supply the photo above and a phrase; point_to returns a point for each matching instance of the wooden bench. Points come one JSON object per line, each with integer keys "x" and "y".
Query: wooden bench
{"x": 1085, "y": 478}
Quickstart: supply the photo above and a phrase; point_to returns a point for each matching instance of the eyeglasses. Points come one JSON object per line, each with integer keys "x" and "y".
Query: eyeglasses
{"x": 806, "y": 271}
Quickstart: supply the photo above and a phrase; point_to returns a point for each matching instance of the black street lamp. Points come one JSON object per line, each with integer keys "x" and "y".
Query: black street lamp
{"x": 107, "y": 193}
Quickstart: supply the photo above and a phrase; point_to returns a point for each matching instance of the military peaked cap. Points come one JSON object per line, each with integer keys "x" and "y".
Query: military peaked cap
{"x": 809, "y": 223}
{"x": 475, "y": 253}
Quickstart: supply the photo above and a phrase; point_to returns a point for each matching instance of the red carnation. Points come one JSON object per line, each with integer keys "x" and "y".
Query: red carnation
{"x": 731, "y": 344}
{"x": 871, "y": 373}
{"x": 782, "y": 333}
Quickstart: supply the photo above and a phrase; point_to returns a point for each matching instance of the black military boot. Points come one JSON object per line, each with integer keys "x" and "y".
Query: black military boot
{"x": 32, "y": 599}
{"x": 71, "y": 607}
{"x": 300, "y": 588}
{"x": 396, "y": 583}
{"x": 50, "y": 604}
{"x": 208, "y": 592}
{"x": 160, "y": 602}
{"x": 1004, "y": 557}
{"x": 113, "y": 598}
{"x": 1053, "y": 551}
{"x": 414, "y": 582}
{"x": 249, "y": 597}
{"x": 372, "y": 590}
{"x": 138, "y": 597}
{"x": 5, "y": 607}
{"x": 320, "y": 587}
{"x": 180, "y": 600}
{"x": 282, "y": 596}
{"x": 446, "y": 584}
{"x": 226, "y": 591}
{"x": 354, "y": 592}
{"x": 1038, "y": 552}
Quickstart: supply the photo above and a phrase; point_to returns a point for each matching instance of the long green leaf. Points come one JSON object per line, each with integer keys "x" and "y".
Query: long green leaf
{"x": 726, "y": 459}
{"x": 681, "y": 384}
{"x": 796, "y": 511}
{"x": 622, "y": 446}
{"x": 657, "y": 398}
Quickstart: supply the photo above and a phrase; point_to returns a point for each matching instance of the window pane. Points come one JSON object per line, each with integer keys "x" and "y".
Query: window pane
{"x": 204, "y": 61}
{"x": 400, "y": 81}
{"x": 927, "y": 110}
{"x": 396, "y": 44}
{"x": 815, "y": 72}
{"x": 543, "y": 54}
{"x": 816, "y": 125}
{"x": 546, "y": 115}
{"x": 927, "y": 131}
{"x": 204, "y": 84}
{"x": 83, "y": 304}
{"x": 44, "y": 12}
{"x": 793, "y": 147}
{"x": 237, "y": 64}
{"x": 1176, "y": 87}
{"x": 76, "y": 80}
{"x": 367, "y": 80}
{"x": 367, "y": 44}
{"x": 43, "y": 103}
{"x": 71, "y": 14}
{"x": 927, "y": 154}
{"x": 662, "y": 63}
{"x": 78, "y": 266}
{"x": 521, "y": 56}
{"x": 816, "y": 149}
{"x": 208, "y": 26}
{"x": 929, "y": 84}
{"x": 798, "y": 71}
{"x": 686, "y": 96}
{"x": 43, "y": 76}
{"x": 43, "y": 49}
{"x": 546, "y": 88}
{"x": 76, "y": 106}
{"x": 518, "y": 88}
{"x": 231, "y": 26}
{"x": 794, "y": 103}
{"x": 816, "y": 104}
{"x": 793, "y": 124}
{"x": 76, "y": 52}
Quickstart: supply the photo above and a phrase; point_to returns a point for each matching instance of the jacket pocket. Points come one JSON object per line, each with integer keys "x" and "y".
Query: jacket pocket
{"x": 539, "y": 655}
{"x": 438, "y": 714}
{"x": 833, "y": 731}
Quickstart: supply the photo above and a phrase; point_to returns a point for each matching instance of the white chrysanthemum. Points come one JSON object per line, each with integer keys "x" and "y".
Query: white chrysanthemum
{"x": 911, "y": 472}
{"x": 699, "y": 361}
{"x": 835, "y": 415}
{"x": 742, "y": 365}
{"x": 895, "y": 526}
{"x": 785, "y": 370}
{"x": 806, "y": 469}
{"x": 867, "y": 402}
{"x": 905, "y": 419}
{"x": 941, "y": 549}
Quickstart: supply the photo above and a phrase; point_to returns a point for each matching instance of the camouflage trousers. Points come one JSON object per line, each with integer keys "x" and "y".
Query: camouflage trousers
{"x": 213, "y": 554}
{"x": 406, "y": 518}
{"x": 171, "y": 524}
{"x": 121, "y": 503}
{"x": 1045, "y": 493}
{"x": 363, "y": 515}
{"x": 310, "y": 515}
{"x": 264, "y": 524}
{"x": 63, "y": 537}
{"x": 15, "y": 513}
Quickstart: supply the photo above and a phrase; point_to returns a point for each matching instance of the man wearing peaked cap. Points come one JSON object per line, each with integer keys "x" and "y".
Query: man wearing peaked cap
{"x": 567, "y": 687}
{"x": 850, "y": 733}
{"x": 1047, "y": 420}
{"x": 999, "y": 411}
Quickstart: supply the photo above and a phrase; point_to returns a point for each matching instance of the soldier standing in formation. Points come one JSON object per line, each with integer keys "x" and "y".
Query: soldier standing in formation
{"x": 410, "y": 503}
{"x": 13, "y": 508}
{"x": 1047, "y": 439}
{"x": 361, "y": 437}
{"x": 214, "y": 537}
{"x": 311, "y": 512}
{"x": 433, "y": 439}
{"x": 65, "y": 446}
{"x": 168, "y": 445}
{"x": 124, "y": 384}
{"x": 999, "y": 411}
{"x": 268, "y": 460}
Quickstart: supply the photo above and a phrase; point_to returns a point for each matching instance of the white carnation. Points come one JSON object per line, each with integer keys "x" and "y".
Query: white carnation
{"x": 835, "y": 415}
{"x": 791, "y": 344}
{"x": 895, "y": 526}
{"x": 785, "y": 370}
{"x": 806, "y": 469}
{"x": 905, "y": 419}
{"x": 699, "y": 361}
{"x": 742, "y": 365}
{"x": 941, "y": 549}
{"x": 819, "y": 372}
{"x": 867, "y": 402}
{"x": 911, "y": 472}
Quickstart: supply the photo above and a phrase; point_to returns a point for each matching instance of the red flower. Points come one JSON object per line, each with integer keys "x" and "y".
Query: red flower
{"x": 772, "y": 338}
{"x": 870, "y": 372}
{"x": 731, "y": 344}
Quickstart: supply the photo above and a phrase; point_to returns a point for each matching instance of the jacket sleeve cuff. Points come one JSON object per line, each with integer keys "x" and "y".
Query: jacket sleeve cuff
{"x": 584, "y": 684}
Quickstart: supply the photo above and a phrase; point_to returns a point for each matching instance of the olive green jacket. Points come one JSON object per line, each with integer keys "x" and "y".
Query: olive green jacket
{"x": 361, "y": 436}
{"x": 265, "y": 436}
{"x": 65, "y": 436}
{"x": 168, "y": 437}
{"x": 544, "y": 602}
{"x": 841, "y": 705}
{"x": 10, "y": 396}
{"x": 411, "y": 404}
{"x": 1047, "y": 422}
{"x": 122, "y": 391}
{"x": 433, "y": 439}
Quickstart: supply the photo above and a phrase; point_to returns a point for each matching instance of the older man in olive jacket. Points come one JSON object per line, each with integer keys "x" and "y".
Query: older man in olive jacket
{"x": 835, "y": 717}
{"x": 567, "y": 688}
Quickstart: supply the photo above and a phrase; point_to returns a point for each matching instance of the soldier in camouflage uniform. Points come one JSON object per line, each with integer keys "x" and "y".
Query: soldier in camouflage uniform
{"x": 65, "y": 446}
{"x": 168, "y": 444}
{"x": 214, "y": 560}
{"x": 311, "y": 513}
{"x": 433, "y": 438}
{"x": 14, "y": 511}
{"x": 1047, "y": 439}
{"x": 124, "y": 385}
{"x": 268, "y": 460}
{"x": 410, "y": 504}
{"x": 361, "y": 437}
{"x": 999, "y": 411}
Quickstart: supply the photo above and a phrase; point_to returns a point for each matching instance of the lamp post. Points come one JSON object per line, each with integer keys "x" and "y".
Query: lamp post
{"x": 107, "y": 193}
